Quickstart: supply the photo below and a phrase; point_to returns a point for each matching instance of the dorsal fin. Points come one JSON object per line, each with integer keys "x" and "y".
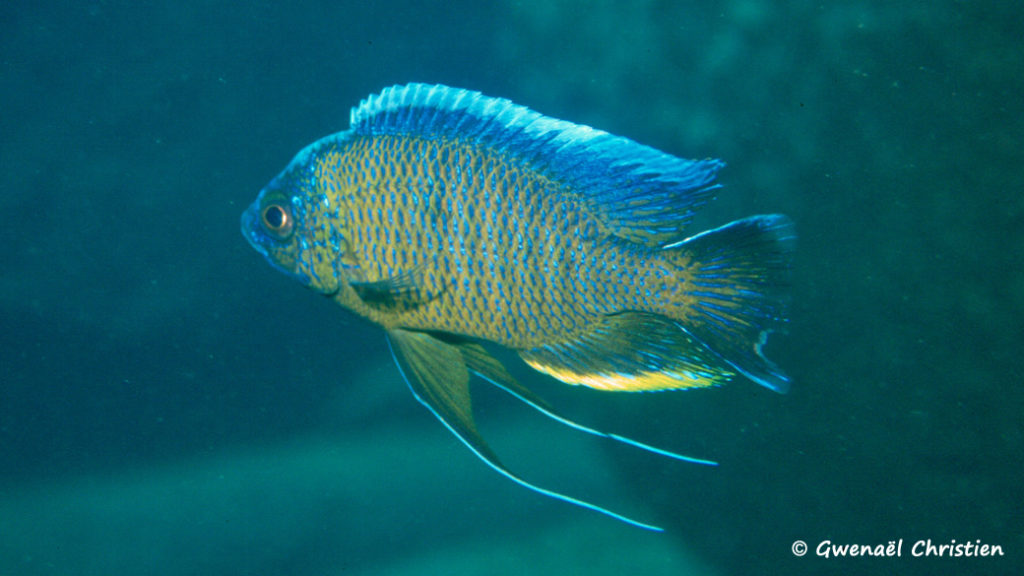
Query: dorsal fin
{"x": 642, "y": 194}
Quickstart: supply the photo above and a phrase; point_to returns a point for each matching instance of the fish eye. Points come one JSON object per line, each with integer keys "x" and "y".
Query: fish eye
{"x": 277, "y": 219}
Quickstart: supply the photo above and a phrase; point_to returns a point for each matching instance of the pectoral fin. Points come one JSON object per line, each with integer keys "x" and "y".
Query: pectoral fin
{"x": 405, "y": 290}
{"x": 436, "y": 372}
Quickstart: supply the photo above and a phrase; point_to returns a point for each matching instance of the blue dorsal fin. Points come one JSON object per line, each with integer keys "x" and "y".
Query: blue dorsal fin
{"x": 642, "y": 194}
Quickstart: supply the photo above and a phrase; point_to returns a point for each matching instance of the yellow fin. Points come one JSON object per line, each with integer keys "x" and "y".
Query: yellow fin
{"x": 631, "y": 352}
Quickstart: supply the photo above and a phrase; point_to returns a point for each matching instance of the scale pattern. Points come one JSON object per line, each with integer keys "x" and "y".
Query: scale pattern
{"x": 495, "y": 250}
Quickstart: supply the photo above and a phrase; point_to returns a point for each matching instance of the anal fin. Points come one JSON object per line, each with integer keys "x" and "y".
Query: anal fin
{"x": 631, "y": 352}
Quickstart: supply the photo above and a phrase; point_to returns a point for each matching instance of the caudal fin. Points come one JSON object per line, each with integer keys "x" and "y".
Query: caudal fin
{"x": 733, "y": 291}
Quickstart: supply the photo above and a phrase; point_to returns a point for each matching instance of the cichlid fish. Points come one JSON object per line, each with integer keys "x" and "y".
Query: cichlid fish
{"x": 451, "y": 219}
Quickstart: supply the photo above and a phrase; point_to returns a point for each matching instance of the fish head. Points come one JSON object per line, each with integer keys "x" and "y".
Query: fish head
{"x": 290, "y": 224}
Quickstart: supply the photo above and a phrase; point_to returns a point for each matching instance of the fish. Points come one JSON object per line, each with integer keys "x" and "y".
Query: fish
{"x": 459, "y": 222}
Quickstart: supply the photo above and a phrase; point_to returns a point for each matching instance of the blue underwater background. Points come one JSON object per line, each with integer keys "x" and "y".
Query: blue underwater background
{"x": 170, "y": 404}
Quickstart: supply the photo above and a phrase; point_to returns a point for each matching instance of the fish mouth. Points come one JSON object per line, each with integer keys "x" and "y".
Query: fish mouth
{"x": 250, "y": 230}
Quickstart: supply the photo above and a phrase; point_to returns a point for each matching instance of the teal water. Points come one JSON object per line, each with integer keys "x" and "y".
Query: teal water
{"x": 169, "y": 404}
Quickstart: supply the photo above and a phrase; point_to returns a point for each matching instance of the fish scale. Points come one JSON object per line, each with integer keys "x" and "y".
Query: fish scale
{"x": 382, "y": 175}
{"x": 450, "y": 218}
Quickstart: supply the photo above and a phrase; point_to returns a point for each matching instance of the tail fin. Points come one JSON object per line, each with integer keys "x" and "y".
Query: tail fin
{"x": 733, "y": 291}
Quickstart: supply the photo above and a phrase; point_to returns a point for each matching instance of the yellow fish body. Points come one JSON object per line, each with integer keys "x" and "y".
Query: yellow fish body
{"x": 451, "y": 218}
